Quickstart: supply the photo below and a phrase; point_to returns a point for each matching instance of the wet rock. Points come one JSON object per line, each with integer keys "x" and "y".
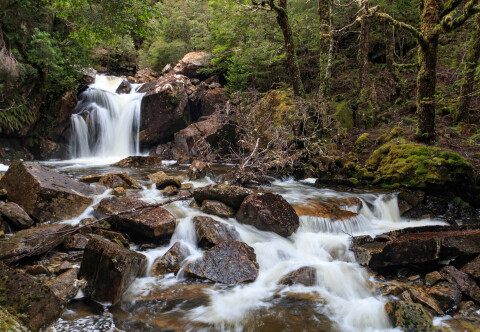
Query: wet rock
{"x": 409, "y": 316}
{"x": 109, "y": 269}
{"x": 11, "y": 323}
{"x": 37, "y": 269}
{"x": 165, "y": 109}
{"x": 184, "y": 194}
{"x": 113, "y": 205}
{"x": 119, "y": 192}
{"x": 29, "y": 297}
{"x": 229, "y": 262}
{"x": 169, "y": 191}
{"x": 114, "y": 237}
{"x": 408, "y": 200}
{"x": 472, "y": 268}
{"x": 211, "y": 232}
{"x": 463, "y": 281}
{"x": 305, "y": 275}
{"x": 419, "y": 295}
{"x": 76, "y": 242}
{"x": 230, "y": 195}
{"x": 33, "y": 242}
{"x": 244, "y": 176}
{"x": 417, "y": 245}
{"x": 327, "y": 210}
{"x": 44, "y": 194}
{"x": 446, "y": 294}
{"x": 186, "y": 186}
{"x": 48, "y": 149}
{"x": 433, "y": 277}
{"x": 161, "y": 180}
{"x": 269, "y": 212}
{"x": 170, "y": 262}
{"x": 66, "y": 285}
{"x": 124, "y": 88}
{"x": 217, "y": 208}
{"x": 191, "y": 63}
{"x": 197, "y": 170}
{"x": 15, "y": 216}
{"x": 112, "y": 180}
{"x": 139, "y": 161}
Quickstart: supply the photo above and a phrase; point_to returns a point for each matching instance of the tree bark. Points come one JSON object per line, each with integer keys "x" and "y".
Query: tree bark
{"x": 327, "y": 44}
{"x": 462, "y": 112}
{"x": 364, "y": 116}
{"x": 390, "y": 61}
{"x": 292, "y": 62}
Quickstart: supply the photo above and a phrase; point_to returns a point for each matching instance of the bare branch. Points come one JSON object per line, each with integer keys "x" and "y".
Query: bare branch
{"x": 414, "y": 31}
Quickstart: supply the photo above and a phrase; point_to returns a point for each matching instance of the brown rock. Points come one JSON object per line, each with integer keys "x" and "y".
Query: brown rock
{"x": 32, "y": 242}
{"x": 230, "y": 195}
{"x": 66, "y": 285}
{"x": 211, "y": 232}
{"x": 419, "y": 295}
{"x": 305, "y": 275}
{"x": 37, "y": 269}
{"x": 463, "y": 281}
{"x": 11, "y": 323}
{"x": 269, "y": 212}
{"x": 197, "y": 170}
{"x": 114, "y": 237}
{"x": 109, "y": 269}
{"x": 124, "y": 88}
{"x": 139, "y": 161}
{"x": 214, "y": 100}
{"x": 217, "y": 208}
{"x": 169, "y": 191}
{"x": 44, "y": 194}
{"x": 446, "y": 294}
{"x": 161, "y": 180}
{"x": 191, "y": 63}
{"x": 472, "y": 268}
{"x": 113, "y": 205}
{"x": 112, "y": 180}
{"x": 76, "y": 242}
{"x": 409, "y": 316}
{"x": 29, "y": 297}
{"x": 170, "y": 262}
{"x": 325, "y": 210}
{"x": 145, "y": 75}
{"x": 15, "y": 216}
{"x": 119, "y": 192}
{"x": 48, "y": 149}
{"x": 186, "y": 186}
{"x": 433, "y": 277}
{"x": 229, "y": 262}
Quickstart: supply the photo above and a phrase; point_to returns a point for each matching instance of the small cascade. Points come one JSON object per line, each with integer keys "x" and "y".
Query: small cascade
{"x": 106, "y": 124}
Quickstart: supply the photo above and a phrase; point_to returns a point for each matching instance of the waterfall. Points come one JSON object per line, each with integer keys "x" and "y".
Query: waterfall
{"x": 106, "y": 124}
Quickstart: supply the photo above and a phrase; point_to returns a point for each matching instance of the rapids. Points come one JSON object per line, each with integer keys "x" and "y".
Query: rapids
{"x": 342, "y": 299}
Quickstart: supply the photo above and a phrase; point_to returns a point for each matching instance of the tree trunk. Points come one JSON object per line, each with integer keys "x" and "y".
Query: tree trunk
{"x": 390, "y": 61}
{"x": 468, "y": 82}
{"x": 327, "y": 43}
{"x": 427, "y": 74}
{"x": 292, "y": 63}
{"x": 364, "y": 115}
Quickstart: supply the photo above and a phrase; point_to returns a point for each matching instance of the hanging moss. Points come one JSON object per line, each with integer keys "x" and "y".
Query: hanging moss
{"x": 343, "y": 114}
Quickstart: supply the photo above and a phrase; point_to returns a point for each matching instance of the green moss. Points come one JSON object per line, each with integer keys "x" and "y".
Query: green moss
{"x": 10, "y": 323}
{"x": 418, "y": 166}
{"x": 362, "y": 143}
{"x": 343, "y": 114}
{"x": 458, "y": 201}
{"x": 394, "y": 133}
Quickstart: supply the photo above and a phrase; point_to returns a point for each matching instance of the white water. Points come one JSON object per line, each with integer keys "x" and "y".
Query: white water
{"x": 106, "y": 124}
{"x": 3, "y": 168}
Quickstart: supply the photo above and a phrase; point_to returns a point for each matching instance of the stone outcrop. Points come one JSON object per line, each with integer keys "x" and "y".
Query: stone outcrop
{"x": 269, "y": 212}
{"x": 15, "y": 216}
{"x": 229, "y": 262}
{"x": 211, "y": 232}
{"x": 44, "y": 194}
{"x": 231, "y": 195}
{"x": 11, "y": 323}
{"x": 109, "y": 269}
{"x": 28, "y": 297}
{"x": 473, "y": 268}
{"x": 139, "y": 161}
{"x": 213, "y": 101}
{"x": 170, "y": 262}
{"x": 417, "y": 245}
{"x": 112, "y": 180}
{"x": 191, "y": 63}
{"x": 32, "y": 242}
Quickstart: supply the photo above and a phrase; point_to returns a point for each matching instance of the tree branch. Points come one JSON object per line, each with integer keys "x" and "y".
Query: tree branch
{"x": 449, "y": 7}
{"x": 414, "y": 31}
{"x": 468, "y": 12}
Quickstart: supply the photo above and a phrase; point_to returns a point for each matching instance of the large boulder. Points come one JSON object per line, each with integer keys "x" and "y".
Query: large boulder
{"x": 196, "y": 139}
{"x": 170, "y": 262}
{"x": 15, "y": 216}
{"x": 165, "y": 109}
{"x": 28, "y": 297}
{"x": 211, "y": 232}
{"x": 217, "y": 208}
{"x": 191, "y": 63}
{"x": 229, "y": 262}
{"x": 214, "y": 100}
{"x": 112, "y": 180}
{"x": 473, "y": 268}
{"x": 269, "y": 212}
{"x": 198, "y": 170}
{"x": 417, "y": 245}
{"x": 44, "y": 194}
{"x": 231, "y": 195}
{"x": 162, "y": 180}
{"x": 113, "y": 205}
{"x": 33, "y": 242}
{"x": 139, "y": 161}
{"x": 109, "y": 269}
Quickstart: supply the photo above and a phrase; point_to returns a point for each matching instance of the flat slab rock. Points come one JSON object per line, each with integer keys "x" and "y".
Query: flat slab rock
{"x": 417, "y": 245}
{"x": 229, "y": 262}
{"x": 45, "y": 194}
{"x": 233, "y": 196}
{"x": 112, "y": 180}
{"x": 109, "y": 269}
{"x": 139, "y": 161}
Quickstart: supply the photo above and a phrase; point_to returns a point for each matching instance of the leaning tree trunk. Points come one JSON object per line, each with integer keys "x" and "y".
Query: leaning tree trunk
{"x": 468, "y": 82}
{"x": 325, "y": 9}
{"x": 364, "y": 116}
{"x": 292, "y": 63}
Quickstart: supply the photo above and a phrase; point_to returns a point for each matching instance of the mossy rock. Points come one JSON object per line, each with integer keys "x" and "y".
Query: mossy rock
{"x": 11, "y": 323}
{"x": 394, "y": 133}
{"x": 409, "y": 316}
{"x": 362, "y": 143}
{"x": 343, "y": 114}
{"x": 418, "y": 166}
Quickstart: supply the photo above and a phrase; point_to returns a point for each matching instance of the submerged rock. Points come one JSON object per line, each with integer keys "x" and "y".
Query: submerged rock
{"x": 44, "y": 194}
{"x": 217, "y": 208}
{"x": 109, "y": 269}
{"x": 33, "y": 242}
{"x": 269, "y": 212}
{"x": 211, "y": 232}
{"x": 230, "y": 195}
{"x": 28, "y": 297}
{"x": 170, "y": 262}
{"x": 112, "y": 180}
{"x": 139, "y": 161}
{"x": 229, "y": 262}
{"x": 15, "y": 216}
{"x": 305, "y": 275}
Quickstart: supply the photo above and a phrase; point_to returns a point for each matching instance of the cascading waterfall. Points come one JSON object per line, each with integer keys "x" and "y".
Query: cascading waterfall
{"x": 106, "y": 124}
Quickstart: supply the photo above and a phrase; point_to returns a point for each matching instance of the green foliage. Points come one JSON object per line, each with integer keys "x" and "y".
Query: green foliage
{"x": 343, "y": 114}
{"x": 161, "y": 53}
{"x": 237, "y": 76}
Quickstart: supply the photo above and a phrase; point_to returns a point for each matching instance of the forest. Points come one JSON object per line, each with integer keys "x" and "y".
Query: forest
{"x": 329, "y": 138}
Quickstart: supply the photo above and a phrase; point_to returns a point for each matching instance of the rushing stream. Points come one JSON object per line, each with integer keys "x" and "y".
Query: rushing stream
{"x": 342, "y": 299}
